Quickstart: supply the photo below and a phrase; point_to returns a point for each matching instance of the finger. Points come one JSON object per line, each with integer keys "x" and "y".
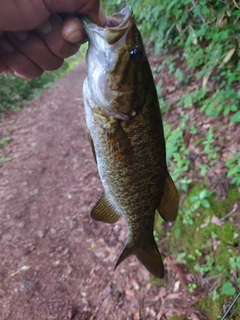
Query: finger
{"x": 27, "y": 15}
{"x": 17, "y": 62}
{"x": 33, "y": 47}
{"x": 54, "y": 39}
{"x": 73, "y": 30}
{"x": 22, "y": 15}
{"x": 90, "y": 7}
{"x": 72, "y": 5}
{"x": 98, "y": 17}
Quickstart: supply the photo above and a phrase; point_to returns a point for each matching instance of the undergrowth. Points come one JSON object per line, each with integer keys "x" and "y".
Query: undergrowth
{"x": 205, "y": 237}
{"x": 207, "y": 33}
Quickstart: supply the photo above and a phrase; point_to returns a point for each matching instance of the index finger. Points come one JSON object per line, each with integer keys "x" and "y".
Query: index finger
{"x": 72, "y": 27}
{"x": 95, "y": 13}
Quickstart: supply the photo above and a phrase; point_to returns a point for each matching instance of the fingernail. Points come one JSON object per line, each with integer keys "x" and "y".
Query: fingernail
{"x": 21, "y": 35}
{"x": 74, "y": 35}
{"x": 46, "y": 27}
{"x": 7, "y": 46}
{"x": 19, "y": 75}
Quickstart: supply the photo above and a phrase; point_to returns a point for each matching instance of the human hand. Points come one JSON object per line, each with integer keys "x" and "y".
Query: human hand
{"x": 33, "y": 38}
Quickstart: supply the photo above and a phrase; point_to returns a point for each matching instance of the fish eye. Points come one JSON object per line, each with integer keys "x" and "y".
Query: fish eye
{"x": 136, "y": 54}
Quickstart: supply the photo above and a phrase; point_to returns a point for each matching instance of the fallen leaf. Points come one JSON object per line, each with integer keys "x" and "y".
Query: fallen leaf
{"x": 176, "y": 286}
{"x": 130, "y": 293}
{"x": 215, "y": 244}
{"x": 173, "y": 296}
{"x": 215, "y": 220}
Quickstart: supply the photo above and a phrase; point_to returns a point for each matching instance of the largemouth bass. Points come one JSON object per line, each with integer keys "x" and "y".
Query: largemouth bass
{"x": 126, "y": 134}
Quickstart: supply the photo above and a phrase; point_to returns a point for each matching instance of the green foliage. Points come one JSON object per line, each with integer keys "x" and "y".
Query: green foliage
{"x": 4, "y": 141}
{"x": 192, "y": 286}
{"x": 236, "y": 117}
{"x": 228, "y": 289}
{"x": 4, "y": 158}
{"x": 209, "y": 148}
{"x": 212, "y": 253}
{"x": 201, "y": 199}
{"x": 177, "y": 155}
{"x": 156, "y": 235}
{"x": 207, "y": 32}
{"x": 234, "y": 168}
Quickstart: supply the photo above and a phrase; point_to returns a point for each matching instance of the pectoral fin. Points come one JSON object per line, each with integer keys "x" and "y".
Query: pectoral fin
{"x": 168, "y": 208}
{"x": 92, "y": 146}
{"x": 104, "y": 211}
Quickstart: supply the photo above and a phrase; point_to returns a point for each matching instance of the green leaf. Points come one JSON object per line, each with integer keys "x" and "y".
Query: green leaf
{"x": 228, "y": 289}
{"x": 233, "y": 171}
{"x": 204, "y": 194}
{"x": 205, "y": 203}
{"x": 238, "y": 282}
{"x": 235, "y": 117}
{"x": 236, "y": 13}
{"x": 196, "y": 205}
{"x": 194, "y": 198}
{"x": 4, "y": 141}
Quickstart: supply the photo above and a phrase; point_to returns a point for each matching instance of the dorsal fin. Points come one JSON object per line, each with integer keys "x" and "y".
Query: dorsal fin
{"x": 168, "y": 208}
{"x": 104, "y": 211}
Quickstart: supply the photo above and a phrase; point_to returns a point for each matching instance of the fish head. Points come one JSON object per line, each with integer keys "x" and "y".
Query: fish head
{"x": 117, "y": 67}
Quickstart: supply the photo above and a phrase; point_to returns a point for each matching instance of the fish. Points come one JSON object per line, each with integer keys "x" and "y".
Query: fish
{"x": 125, "y": 131}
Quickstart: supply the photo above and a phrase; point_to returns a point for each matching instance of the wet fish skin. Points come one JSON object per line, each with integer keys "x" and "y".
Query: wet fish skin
{"x": 126, "y": 134}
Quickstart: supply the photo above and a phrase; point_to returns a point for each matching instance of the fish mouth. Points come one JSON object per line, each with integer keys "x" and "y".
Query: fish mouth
{"x": 119, "y": 19}
{"x": 105, "y": 43}
{"x": 115, "y": 28}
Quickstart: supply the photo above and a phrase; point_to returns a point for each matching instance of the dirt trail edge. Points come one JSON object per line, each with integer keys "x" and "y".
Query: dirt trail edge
{"x": 55, "y": 261}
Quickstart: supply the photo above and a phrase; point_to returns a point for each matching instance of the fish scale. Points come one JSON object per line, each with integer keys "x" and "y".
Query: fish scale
{"x": 126, "y": 135}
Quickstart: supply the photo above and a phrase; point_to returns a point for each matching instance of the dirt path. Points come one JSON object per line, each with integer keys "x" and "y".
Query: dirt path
{"x": 57, "y": 263}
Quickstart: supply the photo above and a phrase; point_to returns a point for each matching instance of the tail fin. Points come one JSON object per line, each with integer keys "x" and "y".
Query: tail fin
{"x": 148, "y": 254}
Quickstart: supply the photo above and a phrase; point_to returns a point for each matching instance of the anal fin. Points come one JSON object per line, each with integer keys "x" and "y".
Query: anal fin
{"x": 104, "y": 211}
{"x": 168, "y": 208}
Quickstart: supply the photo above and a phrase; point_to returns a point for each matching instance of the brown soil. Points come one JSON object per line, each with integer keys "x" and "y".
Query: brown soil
{"x": 57, "y": 263}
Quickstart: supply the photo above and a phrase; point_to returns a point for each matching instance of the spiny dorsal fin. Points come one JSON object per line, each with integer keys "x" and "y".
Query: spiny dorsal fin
{"x": 168, "y": 208}
{"x": 104, "y": 211}
{"x": 148, "y": 254}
